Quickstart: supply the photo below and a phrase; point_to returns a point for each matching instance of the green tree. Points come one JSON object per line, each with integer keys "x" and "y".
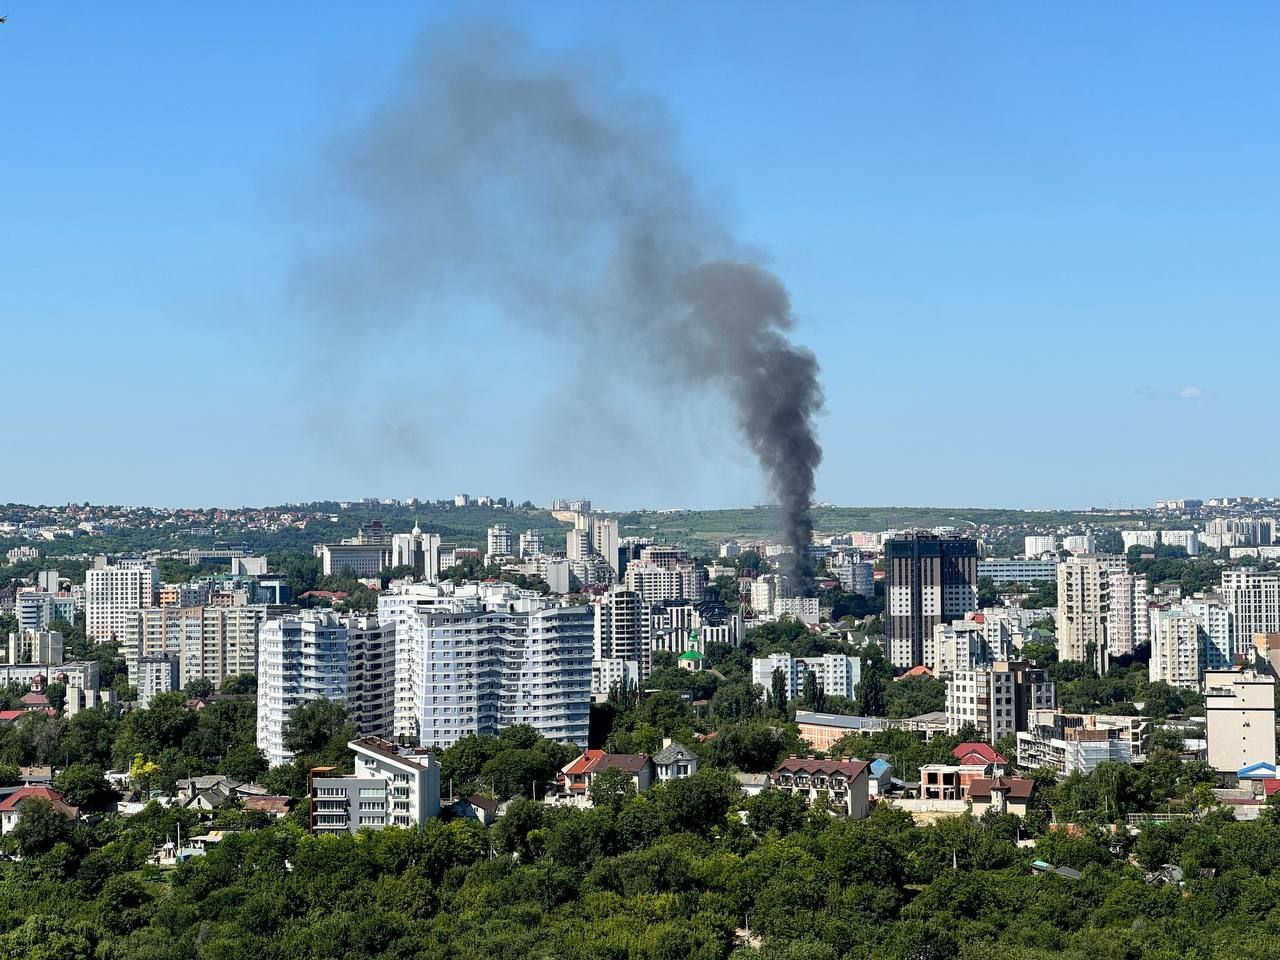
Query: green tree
{"x": 874, "y": 672}
{"x": 313, "y": 725}
{"x": 611, "y": 789}
{"x": 812, "y": 696}
{"x": 778, "y": 692}
{"x": 40, "y": 826}
{"x": 83, "y": 785}
{"x": 199, "y": 688}
{"x": 244, "y": 762}
{"x": 779, "y": 810}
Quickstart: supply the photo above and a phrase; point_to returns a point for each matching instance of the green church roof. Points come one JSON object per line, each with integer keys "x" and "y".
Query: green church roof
{"x": 691, "y": 655}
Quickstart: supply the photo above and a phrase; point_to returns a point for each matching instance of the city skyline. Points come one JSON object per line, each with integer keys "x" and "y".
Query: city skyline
{"x": 1054, "y": 232}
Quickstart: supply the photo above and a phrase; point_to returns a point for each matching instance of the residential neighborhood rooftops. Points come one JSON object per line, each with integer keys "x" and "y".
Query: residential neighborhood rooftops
{"x": 982, "y": 753}
{"x": 1015, "y": 788}
{"x": 849, "y": 768}
{"x": 672, "y": 752}
{"x": 594, "y": 761}
{"x": 48, "y": 794}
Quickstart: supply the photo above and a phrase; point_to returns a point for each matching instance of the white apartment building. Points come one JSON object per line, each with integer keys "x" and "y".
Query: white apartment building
{"x": 855, "y": 574}
{"x": 577, "y": 544}
{"x": 959, "y": 645}
{"x": 998, "y": 699}
{"x": 500, "y": 542}
{"x": 37, "y": 609}
{"x": 301, "y": 658}
{"x": 555, "y": 572}
{"x": 1128, "y": 624}
{"x": 531, "y": 544}
{"x": 621, "y": 629}
{"x": 478, "y": 658}
{"x": 1176, "y": 653}
{"x": 1139, "y": 538}
{"x": 764, "y": 590}
{"x": 212, "y": 643}
{"x": 155, "y": 675}
{"x": 680, "y": 627}
{"x": 1240, "y": 719}
{"x": 613, "y": 672}
{"x": 1084, "y": 607}
{"x": 1080, "y": 543}
{"x": 604, "y": 538}
{"x": 1254, "y": 601}
{"x": 804, "y": 609}
{"x": 1188, "y": 540}
{"x": 391, "y": 787}
{"x": 35, "y": 646}
{"x": 114, "y": 592}
{"x": 1217, "y": 625}
{"x": 1018, "y": 569}
{"x": 837, "y": 674}
{"x": 657, "y": 582}
{"x": 1035, "y": 545}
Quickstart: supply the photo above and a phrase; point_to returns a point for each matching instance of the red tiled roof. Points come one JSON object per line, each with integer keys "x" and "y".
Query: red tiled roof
{"x": 1270, "y": 787}
{"x": 917, "y": 671}
{"x": 982, "y": 752}
{"x": 593, "y": 761}
{"x": 277, "y": 806}
{"x": 43, "y": 793}
{"x": 850, "y": 768}
{"x": 1015, "y": 787}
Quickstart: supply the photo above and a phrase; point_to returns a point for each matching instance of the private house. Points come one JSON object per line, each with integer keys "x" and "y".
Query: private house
{"x": 10, "y": 815}
{"x": 879, "y": 777}
{"x": 674, "y": 761}
{"x": 1002, "y": 794}
{"x": 844, "y": 783}
{"x": 578, "y": 775}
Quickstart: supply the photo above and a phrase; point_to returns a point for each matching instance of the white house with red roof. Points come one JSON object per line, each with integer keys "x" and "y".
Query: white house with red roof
{"x": 577, "y": 776}
{"x": 10, "y": 815}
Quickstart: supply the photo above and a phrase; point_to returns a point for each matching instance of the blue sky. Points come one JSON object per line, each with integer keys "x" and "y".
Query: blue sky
{"x": 1034, "y": 249}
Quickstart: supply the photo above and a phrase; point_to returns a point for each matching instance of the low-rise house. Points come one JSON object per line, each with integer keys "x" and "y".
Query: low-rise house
{"x": 981, "y": 756}
{"x": 578, "y": 775}
{"x": 879, "y": 777}
{"x": 10, "y": 814}
{"x": 207, "y": 793}
{"x": 476, "y": 807}
{"x": 273, "y": 806}
{"x": 674, "y": 761}
{"x": 1002, "y": 794}
{"x": 843, "y": 783}
{"x": 752, "y": 784}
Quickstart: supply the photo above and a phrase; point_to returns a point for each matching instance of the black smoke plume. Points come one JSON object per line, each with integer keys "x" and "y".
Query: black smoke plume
{"x": 542, "y": 186}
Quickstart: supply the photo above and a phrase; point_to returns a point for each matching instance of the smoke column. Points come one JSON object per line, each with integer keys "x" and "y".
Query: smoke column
{"x": 541, "y": 186}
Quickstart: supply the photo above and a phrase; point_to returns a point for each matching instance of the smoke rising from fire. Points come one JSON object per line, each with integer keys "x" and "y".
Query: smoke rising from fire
{"x": 540, "y": 185}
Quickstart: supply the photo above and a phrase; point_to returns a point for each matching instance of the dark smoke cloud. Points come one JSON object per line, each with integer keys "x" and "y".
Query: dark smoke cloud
{"x": 543, "y": 187}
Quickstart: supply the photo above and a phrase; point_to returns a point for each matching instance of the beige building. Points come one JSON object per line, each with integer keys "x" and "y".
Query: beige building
{"x": 1084, "y": 607}
{"x": 1240, "y": 719}
{"x": 1177, "y": 650}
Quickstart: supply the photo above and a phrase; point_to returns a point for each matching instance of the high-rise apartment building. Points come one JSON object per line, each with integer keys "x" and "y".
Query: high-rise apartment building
{"x": 1079, "y": 543}
{"x": 114, "y": 592}
{"x": 928, "y": 580}
{"x": 1084, "y": 607}
{"x": 478, "y": 658}
{"x": 500, "y": 543}
{"x": 1217, "y": 625}
{"x": 666, "y": 573}
{"x": 621, "y": 628}
{"x": 1128, "y": 620}
{"x": 1033, "y": 546}
{"x": 1253, "y": 598}
{"x": 604, "y": 536}
{"x": 301, "y": 658}
{"x": 1177, "y": 655}
{"x": 155, "y": 675}
{"x": 998, "y": 699}
{"x": 371, "y": 675}
{"x": 531, "y": 544}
